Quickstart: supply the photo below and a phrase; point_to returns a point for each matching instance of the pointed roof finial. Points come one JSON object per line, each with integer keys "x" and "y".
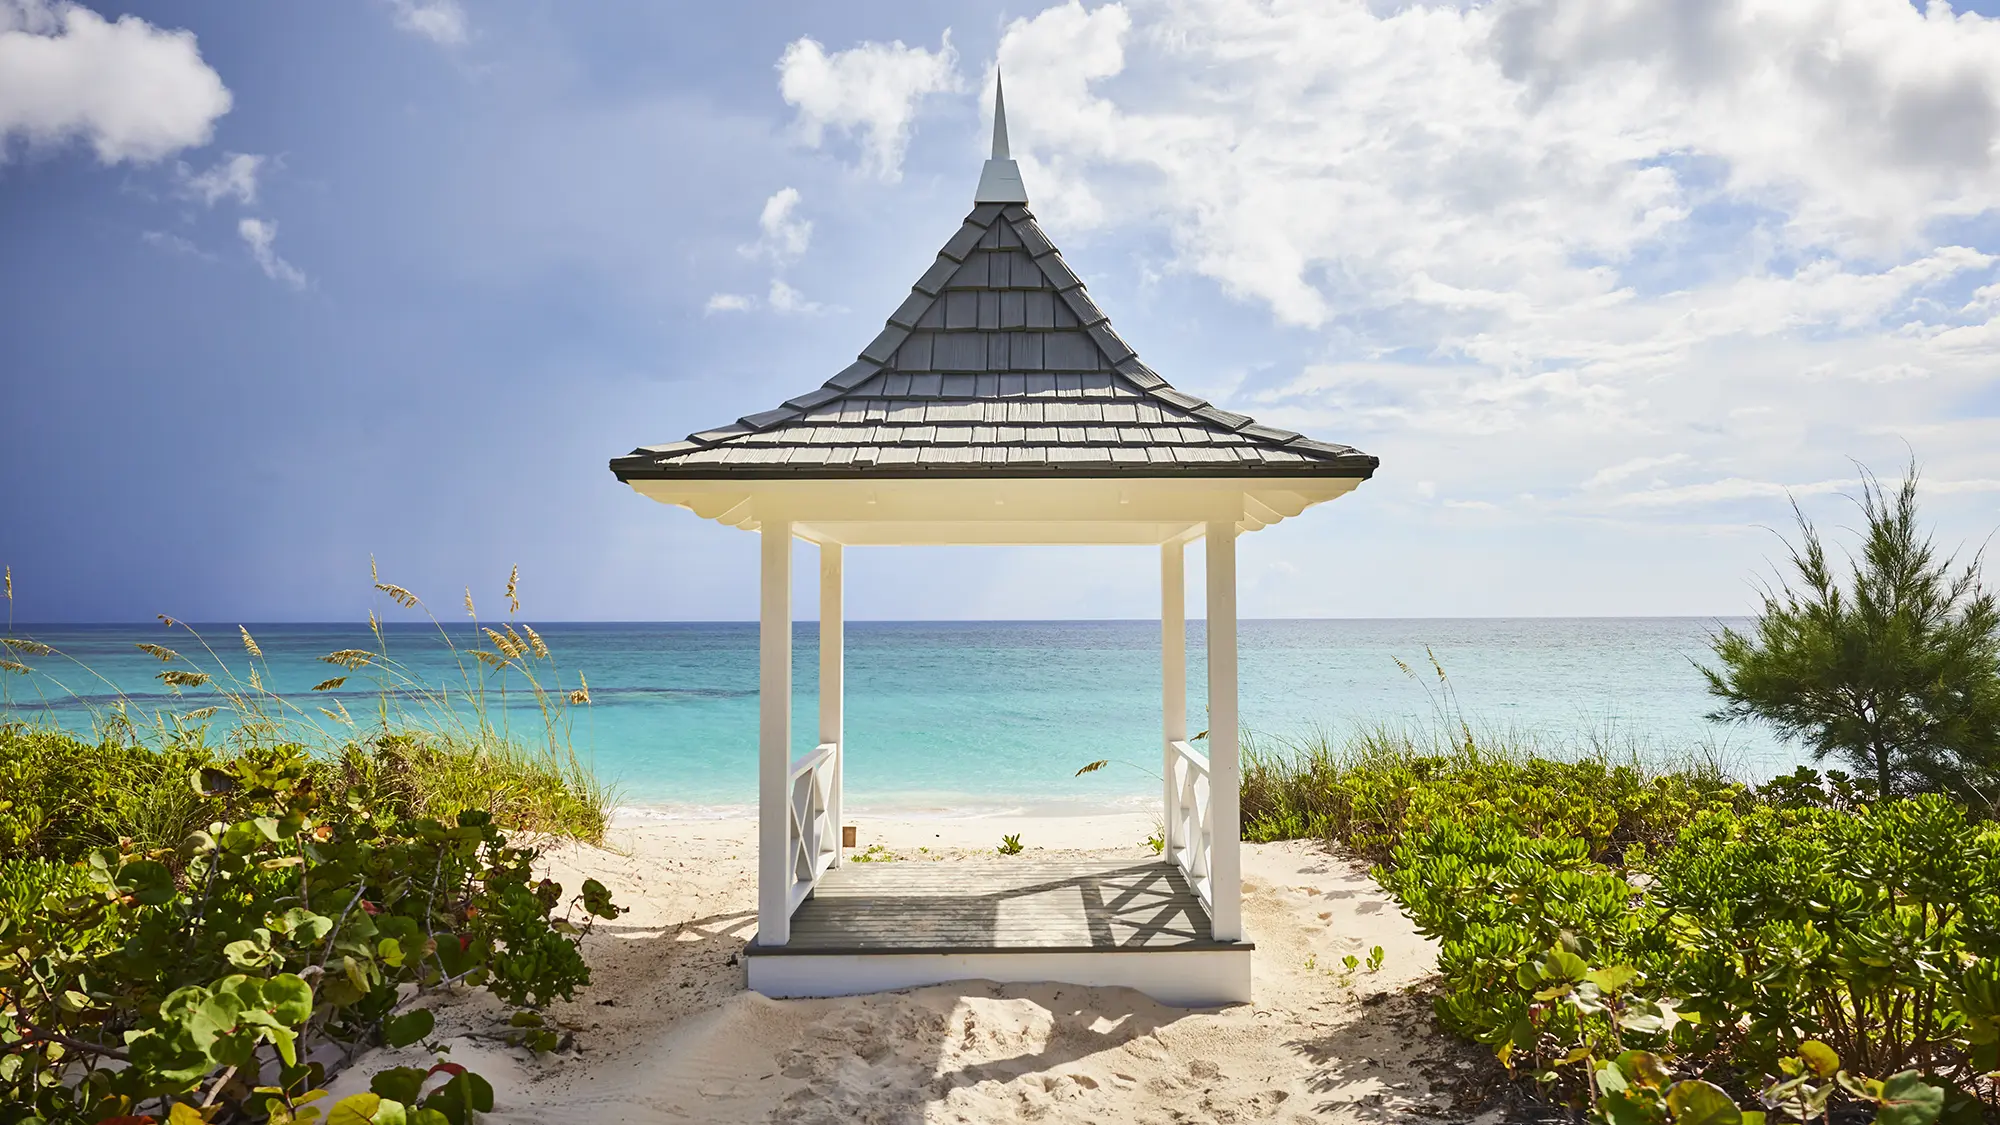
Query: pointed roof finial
{"x": 999, "y": 118}
{"x": 1000, "y": 180}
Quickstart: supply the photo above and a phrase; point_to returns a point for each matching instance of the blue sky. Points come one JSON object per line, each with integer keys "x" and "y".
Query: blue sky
{"x": 288, "y": 286}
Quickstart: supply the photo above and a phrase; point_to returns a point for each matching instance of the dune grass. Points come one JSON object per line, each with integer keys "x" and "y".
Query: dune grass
{"x": 423, "y": 750}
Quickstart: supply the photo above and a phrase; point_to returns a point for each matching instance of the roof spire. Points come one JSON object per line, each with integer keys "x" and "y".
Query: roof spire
{"x": 999, "y": 117}
{"x": 1000, "y": 180}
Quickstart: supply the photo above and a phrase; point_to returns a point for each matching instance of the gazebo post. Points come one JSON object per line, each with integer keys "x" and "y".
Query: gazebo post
{"x": 774, "y": 736}
{"x": 832, "y": 680}
{"x": 1225, "y": 772}
{"x": 1173, "y": 681}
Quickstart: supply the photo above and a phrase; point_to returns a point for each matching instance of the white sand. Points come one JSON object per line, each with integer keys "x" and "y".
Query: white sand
{"x": 667, "y": 1032}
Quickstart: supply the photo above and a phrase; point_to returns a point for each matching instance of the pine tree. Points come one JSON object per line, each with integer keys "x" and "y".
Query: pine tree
{"x": 1896, "y": 674}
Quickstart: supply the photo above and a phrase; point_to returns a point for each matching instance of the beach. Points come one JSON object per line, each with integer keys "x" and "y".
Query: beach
{"x": 666, "y": 1030}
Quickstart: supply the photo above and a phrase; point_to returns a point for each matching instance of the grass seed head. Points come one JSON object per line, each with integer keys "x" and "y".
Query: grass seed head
{"x": 160, "y": 652}
{"x": 250, "y": 643}
{"x": 25, "y": 646}
{"x": 513, "y": 584}
{"x": 535, "y": 644}
{"x": 329, "y": 685}
{"x": 398, "y": 595}
{"x": 349, "y": 658}
{"x": 178, "y": 678}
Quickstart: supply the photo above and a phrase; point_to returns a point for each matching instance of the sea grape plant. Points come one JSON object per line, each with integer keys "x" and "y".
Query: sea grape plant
{"x": 224, "y": 978}
{"x": 1874, "y": 932}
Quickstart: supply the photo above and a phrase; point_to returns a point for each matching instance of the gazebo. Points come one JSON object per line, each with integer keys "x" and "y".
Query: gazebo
{"x": 997, "y": 406}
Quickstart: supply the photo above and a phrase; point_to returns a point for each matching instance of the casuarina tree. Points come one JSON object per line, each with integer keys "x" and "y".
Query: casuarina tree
{"x": 1891, "y": 668}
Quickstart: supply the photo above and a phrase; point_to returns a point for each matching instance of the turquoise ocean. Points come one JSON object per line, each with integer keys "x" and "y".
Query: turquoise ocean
{"x": 947, "y": 716}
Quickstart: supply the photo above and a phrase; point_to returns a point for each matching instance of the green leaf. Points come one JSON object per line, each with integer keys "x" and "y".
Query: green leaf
{"x": 147, "y": 881}
{"x": 460, "y": 1098}
{"x": 403, "y": 1030}
{"x": 363, "y": 1109}
{"x": 1909, "y": 1100}
{"x": 597, "y": 899}
{"x": 402, "y": 1084}
{"x": 1611, "y": 978}
{"x": 1823, "y": 1060}
{"x": 1694, "y": 1102}
{"x": 289, "y": 998}
{"x": 1644, "y": 1068}
{"x": 1611, "y": 1080}
{"x": 1622, "y": 1108}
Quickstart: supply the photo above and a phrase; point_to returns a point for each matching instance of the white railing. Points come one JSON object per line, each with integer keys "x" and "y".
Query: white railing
{"x": 1189, "y": 837}
{"x": 812, "y": 838}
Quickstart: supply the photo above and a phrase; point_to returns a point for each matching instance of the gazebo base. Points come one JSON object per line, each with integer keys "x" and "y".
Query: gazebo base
{"x": 1127, "y": 924}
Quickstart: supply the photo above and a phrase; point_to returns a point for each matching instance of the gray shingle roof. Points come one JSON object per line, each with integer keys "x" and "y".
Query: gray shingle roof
{"x": 998, "y": 364}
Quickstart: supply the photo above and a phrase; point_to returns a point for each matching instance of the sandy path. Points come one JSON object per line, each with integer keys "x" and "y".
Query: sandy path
{"x": 667, "y": 1032}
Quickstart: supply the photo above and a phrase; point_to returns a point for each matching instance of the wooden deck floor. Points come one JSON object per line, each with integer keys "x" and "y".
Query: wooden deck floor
{"x": 1001, "y": 905}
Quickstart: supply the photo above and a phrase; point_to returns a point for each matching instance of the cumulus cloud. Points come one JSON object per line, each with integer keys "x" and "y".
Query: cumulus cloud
{"x": 440, "y": 21}
{"x": 784, "y": 235}
{"x": 234, "y": 176}
{"x": 132, "y": 91}
{"x": 785, "y": 299}
{"x": 260, "y": 235}
{"x": 728, "y": 302}
{"x": 1553, "y": 247}
{"x": 871, "y": 92}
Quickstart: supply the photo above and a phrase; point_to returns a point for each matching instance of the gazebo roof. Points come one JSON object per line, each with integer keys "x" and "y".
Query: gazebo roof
{"x": 998, "y": 364}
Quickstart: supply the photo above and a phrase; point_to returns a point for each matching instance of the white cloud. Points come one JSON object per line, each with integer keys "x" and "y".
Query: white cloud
{"x": 259, "y": 235}
{"x": 728, "y": 302}
{"x": 234, "y": 175}
{"x": 1556, "y": 246}
{"x": 440, "y": 21}
{"x": 174, "y": 244}
{"x": 1612, "y": 474}
{"x": 133, "y": 91}
{"x": 871, "y": 91}
{"x": 785, "y": 299}
{"x": 785, "y": 236}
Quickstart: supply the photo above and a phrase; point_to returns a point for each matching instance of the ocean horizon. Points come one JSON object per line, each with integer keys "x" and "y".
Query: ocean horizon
{"x": 950, "y": 717}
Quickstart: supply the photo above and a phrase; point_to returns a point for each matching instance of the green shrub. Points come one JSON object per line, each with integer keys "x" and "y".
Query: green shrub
{"x": 206, "y": 972}
{"x": 1368, "y": 794}
{"x": 1876, "y": 931}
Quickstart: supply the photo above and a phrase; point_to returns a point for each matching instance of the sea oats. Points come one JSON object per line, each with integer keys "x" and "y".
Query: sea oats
{"x": 256, "y": 683}
{"x": 329, "y": 685}
{"x": 249, "y": 643}
{"x": 535, "y": 642}
{"x": 178, "y": 678}
{"x": 469, "y": 611}
{"x": 159, "y": 651}
{"x": 582, "y": 694}
{"x": 513, "y": 583}
{"x": 398, "y": 595}
{"x": 10, "y": 583}
{"x": 13, "y": 666}
{"x": 501, "y": 642}
{"x": 23, "y": 645}
{"x": 520, "y": 646}
{"x": 199, "y": 713}
{"x": 492, "y": 658}
{"x": 348, "y": 658}
{"x": 166, "y": 621}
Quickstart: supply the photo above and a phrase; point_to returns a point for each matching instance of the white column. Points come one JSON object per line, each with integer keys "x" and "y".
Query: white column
{"x": 832, "y": 701}
{"x": 1225, "y": 772}
{"x": 774, "y": 737}
{"x": 1173, "y": 678}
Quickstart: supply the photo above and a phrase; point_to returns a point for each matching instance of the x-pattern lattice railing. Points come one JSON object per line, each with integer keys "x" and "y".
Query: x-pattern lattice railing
{"x": 1189, "y": 837}
{"x": 811, "y": 835}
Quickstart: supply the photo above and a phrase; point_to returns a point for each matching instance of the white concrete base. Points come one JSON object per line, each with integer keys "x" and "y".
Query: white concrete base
{"x": 1193, "y": 978}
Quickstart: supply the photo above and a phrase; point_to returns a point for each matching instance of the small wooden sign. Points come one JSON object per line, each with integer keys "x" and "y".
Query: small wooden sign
{"x": 847, "y": 835}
